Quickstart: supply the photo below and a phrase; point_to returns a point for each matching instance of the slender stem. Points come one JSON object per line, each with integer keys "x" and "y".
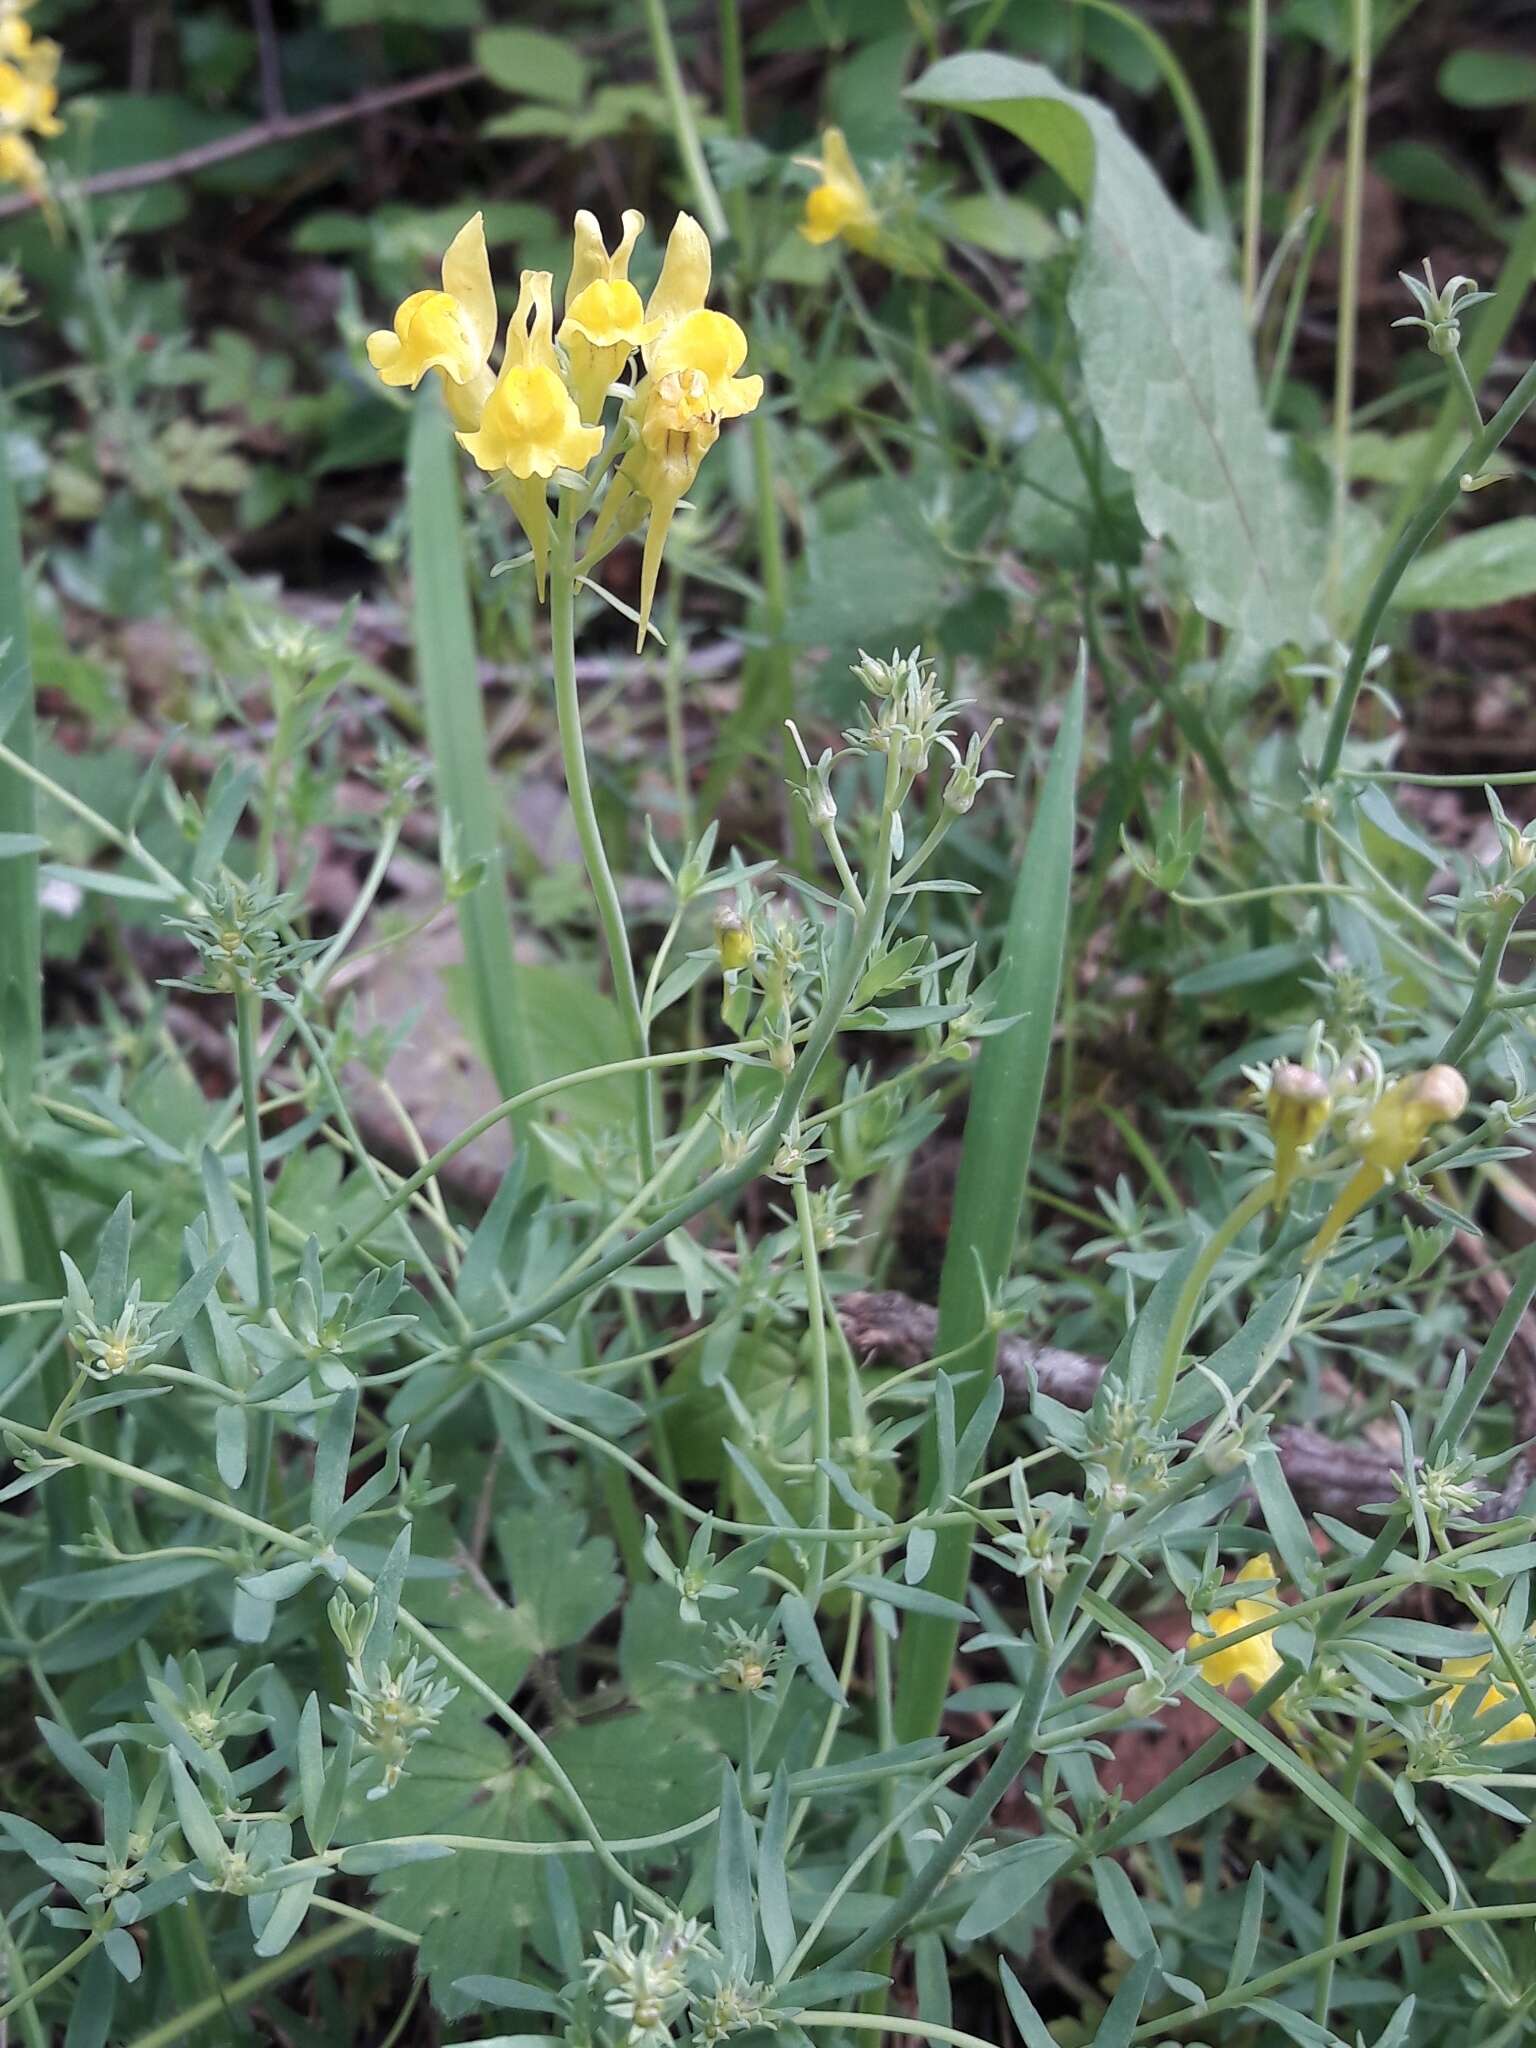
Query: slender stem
{"x": 821, "y": 1377}
{"x": 367, "y": 1164}
{"x": 238, "y": 1996}
{"x": 272, "y": 782}
{"x": 503, "y": 1111}
{"x": 573, "y": 755}
{"x": 684, "y": 127}
{"x": 356, "y": 1582}
{"x": 720, "y": 1186}
{"x": 1485, "y": 983}
{"x": 1226, "y": 1234}
{"x": 1253, "y": 172}
{"x": 1274, "y": 1980}
{"x": 247, "y": 1031}
{"x": 125, "y": 842}
{"x": 1415, "y": 534}
{"x": 51, "y": 1977}
{"x": 1462, "y": 384}
{"x": 1349, "y": 278}
{"x": 1338, "y": 1869}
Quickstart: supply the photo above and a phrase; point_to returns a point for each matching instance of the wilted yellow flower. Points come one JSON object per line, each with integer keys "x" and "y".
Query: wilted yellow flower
{"x": 530, "y": 426}
{"x": 690, "y": 386}
{"x": 1296, "y": 1104}
{"x": 1387, "y": 1137}
{"x": 604, "y": 320}
{"x": 733, "y": 939}
{"x": 1519, "y": 1728}
{"x": 839, "y": 208}
{"x": 1257, "y": 1659}
{"x": 451, "y": 331}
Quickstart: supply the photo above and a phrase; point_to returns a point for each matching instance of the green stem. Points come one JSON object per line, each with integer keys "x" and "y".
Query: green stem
{"x": 51, "y": 1977}
{"x": 358, "y": 1583}
{"x": 1415, "y": 534}
{"x": 1338, "y": 1868}
{"x": 1275, "y": 1980}
{"x": 578, "y": 783}
{"x": 821, "y": 1378}
{"x": 684, "y": 127}
{"x": 247, "y": 1031}
{"x": 1253, "y": 172}
{"x": 1349, "y": 278}
{"x": 1462, "y": 384}
{"x": 1226, "y": 1234}
{"x": 842, "y": 981}
{"x": 1485, "y": 984}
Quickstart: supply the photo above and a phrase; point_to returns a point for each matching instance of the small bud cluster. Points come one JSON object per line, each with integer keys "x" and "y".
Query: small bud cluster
{"x": 1440, "y": 311}
{"x": 393, "y": 1710}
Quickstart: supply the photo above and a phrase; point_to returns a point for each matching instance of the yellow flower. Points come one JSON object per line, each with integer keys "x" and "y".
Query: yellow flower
{"x": 530, "y": 424}
{"x": 604, "y": 320}
{"x": 1296, "y": 1104}
{"x": 1257, "y": 1659}
{"x": 691, "y": 357}
{"x": 20, "y": 164}
{"x": 1519, "y": 1728}
{"x": 451, "y": 331}
{"x": 1387, "y": 1137}
{"x": 839, "y": 208}
{"x": 28, "y": 95}
{"x": 530, "y": 427}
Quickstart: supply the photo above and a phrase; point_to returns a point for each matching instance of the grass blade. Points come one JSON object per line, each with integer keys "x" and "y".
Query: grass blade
{"x": 994, "y": 1162}
{"x": 448, "y": 674}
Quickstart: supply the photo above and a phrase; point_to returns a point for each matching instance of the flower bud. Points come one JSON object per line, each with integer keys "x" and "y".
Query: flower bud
{"x": 733, "y": 939}
{"x": 1296, "y": 1105}
{"x": 1387, "y": 1137}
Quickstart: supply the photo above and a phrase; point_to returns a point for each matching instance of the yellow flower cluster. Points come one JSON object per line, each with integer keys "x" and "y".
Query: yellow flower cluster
{"x": 1384, "y": 1134}
{"x": 29, "y": 96}
{"x": 542, "y": 412}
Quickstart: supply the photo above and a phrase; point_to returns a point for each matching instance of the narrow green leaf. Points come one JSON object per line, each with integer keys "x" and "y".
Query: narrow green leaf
{"x": 1191, "y": 1806}
{"x": 21, "y": 969}
{"x": 994, "y": 1163}
{"x": 1125, "y": 2008}
{"x": 1032, "y": 2028}
{"x": 1013, "y": 1884}
{"x": 196, "y": 1822}
{"x": 109, "y": 1276}
{"x": 804, "y": 1640}
{"x": 448, "y": 672}
{"x": 735, "y": 1913}
{"x": 333, "y": 1451}
{"x": 772, "y": 1877}
{"x": 914, "y": 1599}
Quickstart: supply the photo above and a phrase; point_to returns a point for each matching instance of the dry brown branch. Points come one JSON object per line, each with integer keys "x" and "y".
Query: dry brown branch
{"x": 1327, "y": 1476}
{"x": 276, "y": 128}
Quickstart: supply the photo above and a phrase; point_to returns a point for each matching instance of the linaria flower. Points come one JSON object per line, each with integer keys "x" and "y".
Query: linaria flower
{"x": 1256, "y": 1659}
{"x": 1387, "y": 1137}
{"x": 604, "y": 320}
{"x": 839, "y": 208}
{"x": 451, "y": 331}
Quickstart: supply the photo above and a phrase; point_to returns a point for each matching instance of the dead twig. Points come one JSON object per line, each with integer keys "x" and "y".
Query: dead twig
{"x": 281, "y": 127}
{"x": 1326, "y": 1476}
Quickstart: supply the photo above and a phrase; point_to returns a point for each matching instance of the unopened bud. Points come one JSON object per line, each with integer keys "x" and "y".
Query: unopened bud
{"x": 1296, "y": 1106}
{"x": 733, "y": 939}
